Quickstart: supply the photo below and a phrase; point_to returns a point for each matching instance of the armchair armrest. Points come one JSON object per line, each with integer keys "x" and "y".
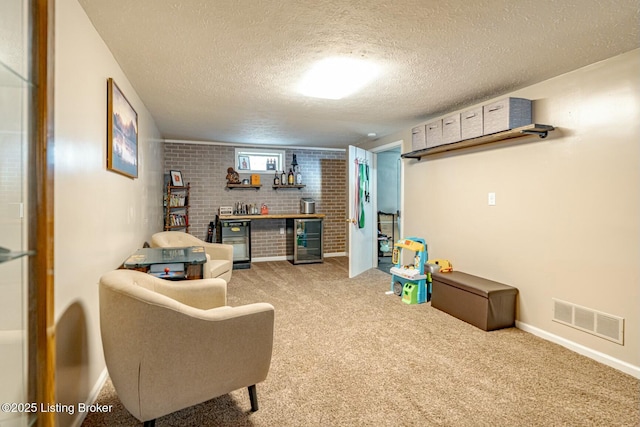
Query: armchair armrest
{"x": 219, "y": 251}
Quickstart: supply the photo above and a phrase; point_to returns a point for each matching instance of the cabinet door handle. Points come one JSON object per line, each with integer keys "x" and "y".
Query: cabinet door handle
{"x": 497, "y": 107}
{"x": 471, "y": 116}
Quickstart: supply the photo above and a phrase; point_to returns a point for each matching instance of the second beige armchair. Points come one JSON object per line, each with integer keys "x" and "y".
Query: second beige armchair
{"x": 219, "y": 256}
{"x": 168, "y": 346}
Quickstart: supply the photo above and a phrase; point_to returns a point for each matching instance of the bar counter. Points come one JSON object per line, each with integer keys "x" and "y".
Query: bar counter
{"x": 271, "y": 216}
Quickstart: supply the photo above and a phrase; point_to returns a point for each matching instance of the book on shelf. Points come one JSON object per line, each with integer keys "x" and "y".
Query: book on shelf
{"x": 177, "y": 200}
{"x": 178, "y": 220}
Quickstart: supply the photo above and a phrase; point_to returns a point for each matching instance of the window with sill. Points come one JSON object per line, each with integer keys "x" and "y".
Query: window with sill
{"x": 261, "y": 161}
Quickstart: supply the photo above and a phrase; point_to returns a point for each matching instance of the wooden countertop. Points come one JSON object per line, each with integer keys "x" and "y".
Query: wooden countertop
{"x": 272, "y": 216}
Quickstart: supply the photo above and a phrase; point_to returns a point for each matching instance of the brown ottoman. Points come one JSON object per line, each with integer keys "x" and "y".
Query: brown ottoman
{"x": 484, "y": 303}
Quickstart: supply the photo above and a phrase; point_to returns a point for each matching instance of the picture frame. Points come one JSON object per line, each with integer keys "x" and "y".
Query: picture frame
{"x": 244, "y": 163}
{"x": 122, "y": 133}
{"x": 176, "y": 179}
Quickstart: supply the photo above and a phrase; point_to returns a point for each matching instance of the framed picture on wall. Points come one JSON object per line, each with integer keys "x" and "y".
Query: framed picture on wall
{"x": 122, "y": 133}
{"x": 176, "y": 179}
{"x": 244, "y": 163}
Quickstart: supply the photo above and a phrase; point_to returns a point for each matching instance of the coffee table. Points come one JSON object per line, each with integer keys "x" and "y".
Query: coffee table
{"x": 169, "y": 263}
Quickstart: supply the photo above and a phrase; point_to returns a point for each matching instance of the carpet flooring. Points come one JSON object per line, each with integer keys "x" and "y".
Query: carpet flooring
{"x": 347, "y": 354}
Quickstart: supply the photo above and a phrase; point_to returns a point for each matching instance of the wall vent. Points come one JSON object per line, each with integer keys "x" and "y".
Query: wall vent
{"x": 595, "y": 322}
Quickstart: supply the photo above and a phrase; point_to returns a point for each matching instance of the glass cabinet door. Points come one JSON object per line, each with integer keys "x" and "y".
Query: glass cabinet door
{"x": 14, "y": 109}
{"x": 308, "y": 241}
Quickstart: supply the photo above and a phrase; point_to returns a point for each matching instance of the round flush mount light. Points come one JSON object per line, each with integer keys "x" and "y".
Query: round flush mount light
{"x": 337, "y": 77}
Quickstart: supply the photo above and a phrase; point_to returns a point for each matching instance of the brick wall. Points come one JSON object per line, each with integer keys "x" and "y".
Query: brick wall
{"x": 205, "y": 167}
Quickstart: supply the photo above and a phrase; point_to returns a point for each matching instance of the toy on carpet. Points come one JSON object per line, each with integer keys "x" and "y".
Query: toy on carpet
{"x": 440, "y": 265}
{"x": 410, "y": 281}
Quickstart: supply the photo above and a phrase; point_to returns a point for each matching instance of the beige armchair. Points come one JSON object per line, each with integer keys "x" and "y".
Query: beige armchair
{"x": 219, "y": 256}
{"x": 171, "y": 345}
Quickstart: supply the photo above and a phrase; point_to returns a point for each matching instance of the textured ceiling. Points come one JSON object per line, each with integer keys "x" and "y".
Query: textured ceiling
{"x": 214, "y": 70}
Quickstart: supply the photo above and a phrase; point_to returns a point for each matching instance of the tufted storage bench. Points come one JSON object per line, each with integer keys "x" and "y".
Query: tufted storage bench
{"x": 484, "y": 303}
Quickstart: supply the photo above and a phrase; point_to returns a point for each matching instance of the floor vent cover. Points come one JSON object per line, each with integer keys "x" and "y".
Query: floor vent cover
{"x": 603, "y": 325}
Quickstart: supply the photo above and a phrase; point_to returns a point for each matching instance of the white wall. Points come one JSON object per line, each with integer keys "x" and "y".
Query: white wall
{"x": 100, "y": 217}
{"x": 566, "y": 220}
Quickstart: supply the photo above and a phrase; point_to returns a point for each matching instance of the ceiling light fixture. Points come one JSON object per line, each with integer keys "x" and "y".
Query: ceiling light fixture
{"x": 336, "y": 78}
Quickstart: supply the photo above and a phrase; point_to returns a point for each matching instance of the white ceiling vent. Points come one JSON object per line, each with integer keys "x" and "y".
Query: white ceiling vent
{"x": 604, "y": 325}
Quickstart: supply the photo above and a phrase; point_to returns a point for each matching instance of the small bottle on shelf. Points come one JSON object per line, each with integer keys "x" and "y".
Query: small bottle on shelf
{"x": 290, "y": 178}
{"x": 283, "y": 178}
{"x": 276, "y": 179}
{"x": 298, "y": 176}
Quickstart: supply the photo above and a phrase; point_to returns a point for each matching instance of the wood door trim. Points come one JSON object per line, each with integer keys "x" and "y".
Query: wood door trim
{"x": 41, "y": 220}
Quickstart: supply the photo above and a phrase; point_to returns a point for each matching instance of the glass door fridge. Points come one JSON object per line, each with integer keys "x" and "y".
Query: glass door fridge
{"x": 305, "y": 245}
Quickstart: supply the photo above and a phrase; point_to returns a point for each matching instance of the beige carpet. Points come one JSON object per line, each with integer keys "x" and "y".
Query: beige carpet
{"x": 346, "y": 354}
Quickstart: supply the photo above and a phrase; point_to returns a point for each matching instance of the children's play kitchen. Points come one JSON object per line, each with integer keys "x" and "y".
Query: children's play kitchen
{"x": 410, "y": 281}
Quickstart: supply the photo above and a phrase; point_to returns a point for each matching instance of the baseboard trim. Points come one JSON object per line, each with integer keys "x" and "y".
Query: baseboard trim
{"x": 93, "y": 396}
{"x": 335, "y": 254}
{"x": 605, "y": 359}
{"x": 269, "y": 258}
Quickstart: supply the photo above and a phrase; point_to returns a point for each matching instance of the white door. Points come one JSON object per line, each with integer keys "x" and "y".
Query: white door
{"x": 362, "y": 221}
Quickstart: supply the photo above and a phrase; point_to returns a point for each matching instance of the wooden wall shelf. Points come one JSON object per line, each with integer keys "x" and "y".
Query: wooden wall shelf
{"x": 532, "y": 129}
{"x": 243, "y": 186}
{"x": 298, "y": 186}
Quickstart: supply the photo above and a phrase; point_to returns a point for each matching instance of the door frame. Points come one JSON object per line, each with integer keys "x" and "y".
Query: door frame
{"x": 374, "y": 186}
{"x": 41, "y": 376}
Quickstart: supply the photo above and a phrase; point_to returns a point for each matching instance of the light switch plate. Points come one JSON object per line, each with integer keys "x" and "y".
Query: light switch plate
{"x": 492, "y": 199}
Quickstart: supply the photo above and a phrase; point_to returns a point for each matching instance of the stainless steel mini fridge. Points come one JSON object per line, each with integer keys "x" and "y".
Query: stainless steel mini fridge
{"x": 304, "y": 240}
{"x": 238, "y": 234}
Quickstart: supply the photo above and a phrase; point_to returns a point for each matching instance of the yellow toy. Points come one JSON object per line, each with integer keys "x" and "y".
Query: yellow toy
{"x": 445, "y": 265}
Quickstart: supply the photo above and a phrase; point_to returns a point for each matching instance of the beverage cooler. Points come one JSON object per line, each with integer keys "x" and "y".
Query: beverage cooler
{"x": 237, "y": 234}
{"x": 305, "y": 240}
